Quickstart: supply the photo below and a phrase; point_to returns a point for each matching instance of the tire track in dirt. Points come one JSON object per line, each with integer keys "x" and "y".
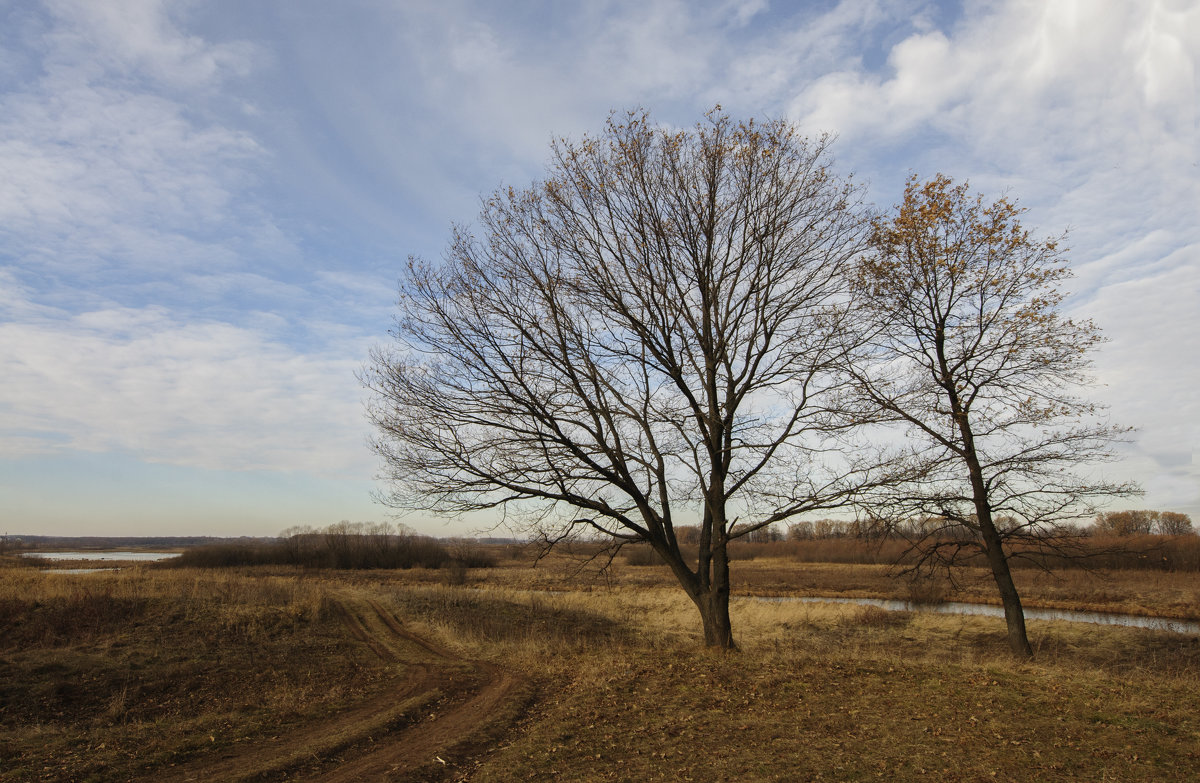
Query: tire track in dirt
{"x": 463, "y": 727}
{"x": 442, "y": 707}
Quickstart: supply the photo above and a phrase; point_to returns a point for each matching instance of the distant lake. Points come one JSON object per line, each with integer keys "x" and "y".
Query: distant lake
{"x": 106, "y": 555}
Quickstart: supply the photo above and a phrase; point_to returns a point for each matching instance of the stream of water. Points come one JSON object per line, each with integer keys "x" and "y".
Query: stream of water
{"x": 1101, "y": 618}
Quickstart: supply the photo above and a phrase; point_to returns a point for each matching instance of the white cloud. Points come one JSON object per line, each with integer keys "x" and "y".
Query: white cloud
{"x": 1150, "y": 377}
{"x": 1056, "y": 93}
{"x": 96, "y": 174}
{"x": 123, "y": 213}
{"x": 741, "y": 12}
{"x": 103, "y": 173}
{"x": 427, "y": 105}
{"x": 139, "y": 36}
{"x": 208, "y": 395}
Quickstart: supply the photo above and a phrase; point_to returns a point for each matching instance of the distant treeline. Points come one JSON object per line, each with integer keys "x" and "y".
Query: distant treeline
{"x": 1119, "y": 524}
{"x": 1156, "y": 540}
{"x": 349, "y": 545}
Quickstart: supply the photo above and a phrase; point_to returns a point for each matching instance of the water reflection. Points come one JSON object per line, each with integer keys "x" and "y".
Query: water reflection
{"x": 1101, "y": 618}
{"x": 142, "y": 556}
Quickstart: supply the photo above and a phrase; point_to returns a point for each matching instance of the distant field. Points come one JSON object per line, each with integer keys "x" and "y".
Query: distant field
{"x": 526, "y": 673}
{"x": 1133, "y": 591}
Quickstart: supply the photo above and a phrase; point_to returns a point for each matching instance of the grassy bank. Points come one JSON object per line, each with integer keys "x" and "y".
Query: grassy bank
{"x": 104, "y": 676}
{"x": 820, "y": 692}
{"x": 118, "y": 676}
{"x": 1173, "y": 594}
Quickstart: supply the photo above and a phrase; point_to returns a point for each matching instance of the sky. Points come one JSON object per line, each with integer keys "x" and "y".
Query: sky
{"x": 205, "y": 207}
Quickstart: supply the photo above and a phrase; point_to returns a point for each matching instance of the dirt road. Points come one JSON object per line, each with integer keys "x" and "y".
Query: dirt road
{"x": 428, "y": 726}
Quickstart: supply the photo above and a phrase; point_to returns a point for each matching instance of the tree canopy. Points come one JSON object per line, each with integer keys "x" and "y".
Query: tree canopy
{"x": 647, "y": 338}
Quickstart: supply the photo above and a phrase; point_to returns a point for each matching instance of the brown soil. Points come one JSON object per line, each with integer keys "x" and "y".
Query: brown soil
{"x": 425, "y": 726}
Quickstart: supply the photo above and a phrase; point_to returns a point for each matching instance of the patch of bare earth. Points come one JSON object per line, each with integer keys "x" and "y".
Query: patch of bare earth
{"x": 426, "y": 726}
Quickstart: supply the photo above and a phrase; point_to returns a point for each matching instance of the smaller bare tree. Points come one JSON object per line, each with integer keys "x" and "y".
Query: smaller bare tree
{"x": 967, "y": 350}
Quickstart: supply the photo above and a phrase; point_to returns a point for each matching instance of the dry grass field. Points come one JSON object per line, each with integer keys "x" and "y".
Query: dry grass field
{"x": 555, "y": 673}
{"x": 1127, "y": 591}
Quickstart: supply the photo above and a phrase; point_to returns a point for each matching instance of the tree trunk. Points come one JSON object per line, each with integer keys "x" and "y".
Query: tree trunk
{"x": 993, "y": 547}
{"x": 708, "y": 587}
{"x": 714, "y": 614}
{"x": 993, "y": 544}
{"x": 1014, "y": 613}
{"x": 709, "y": 591}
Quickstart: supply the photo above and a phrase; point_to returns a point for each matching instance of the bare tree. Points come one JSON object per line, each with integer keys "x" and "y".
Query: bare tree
{"x": 643, "y": 341}
{"x": 1126, "y": 523}
{"x": 1172, "y": 523}
{"x": 801, "y": 531}
{"x": 969, "y": 350}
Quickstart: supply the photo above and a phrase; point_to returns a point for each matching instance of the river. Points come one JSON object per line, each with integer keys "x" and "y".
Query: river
{"x": 1100, "y": 618}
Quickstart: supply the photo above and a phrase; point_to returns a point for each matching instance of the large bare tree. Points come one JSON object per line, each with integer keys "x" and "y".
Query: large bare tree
{"x": 969, "y": 348}
{"x": 642, "y": 341}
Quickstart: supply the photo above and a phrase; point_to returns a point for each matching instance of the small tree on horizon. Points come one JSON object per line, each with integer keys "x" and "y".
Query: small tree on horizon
{"x": 645, "y": 340}
{"x": 1126, "y": 523}
{"x": 1173, "y": 523}
{"x": 968, "y": 351}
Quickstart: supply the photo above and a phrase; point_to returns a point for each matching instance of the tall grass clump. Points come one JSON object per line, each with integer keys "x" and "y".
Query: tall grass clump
{"x": 643, "y": 555}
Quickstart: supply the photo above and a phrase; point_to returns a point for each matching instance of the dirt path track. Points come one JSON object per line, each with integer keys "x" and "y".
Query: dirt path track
{"x": 423, "y": 727}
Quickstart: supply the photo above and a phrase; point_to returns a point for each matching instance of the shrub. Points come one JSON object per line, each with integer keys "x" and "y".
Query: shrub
{"x": 344, "y": 546}
{"x": 471, "y": 554}
{"x": 642, "y": 555}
